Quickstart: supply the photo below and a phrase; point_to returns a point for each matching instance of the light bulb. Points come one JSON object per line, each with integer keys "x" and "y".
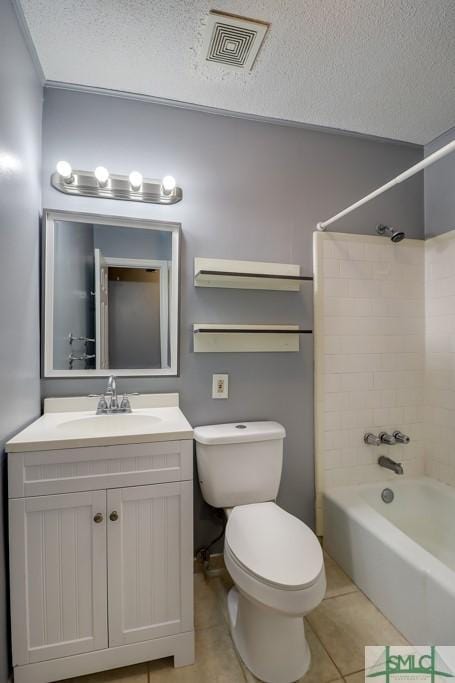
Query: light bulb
{"x": 102, "y": 175}
{"x": 135, "y": 179}
{"x": 64, "y": 169}
{"x": 168, "y": 184}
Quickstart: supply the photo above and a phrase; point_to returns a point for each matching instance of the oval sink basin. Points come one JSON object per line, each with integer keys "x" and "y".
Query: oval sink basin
{"x": 109, "y": 424}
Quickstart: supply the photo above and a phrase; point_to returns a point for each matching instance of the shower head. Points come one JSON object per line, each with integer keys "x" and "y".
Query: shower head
{"x": 395, "y": 235}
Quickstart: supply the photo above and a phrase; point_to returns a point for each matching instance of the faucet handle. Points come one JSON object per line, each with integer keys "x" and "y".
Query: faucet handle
{"x": 387, "y": 439}
{"x": 125, "y": 405}
{"x": 102, "y": 405}
{"x": 372, "y": 439}
{"x": 400, "y": 437}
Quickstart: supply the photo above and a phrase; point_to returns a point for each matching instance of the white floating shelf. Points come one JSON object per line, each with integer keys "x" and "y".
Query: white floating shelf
{"x": 222, "y": 338}
{"x": 211, "y": 272}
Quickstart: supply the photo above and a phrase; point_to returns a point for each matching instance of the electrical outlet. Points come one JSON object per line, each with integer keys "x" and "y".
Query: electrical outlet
{"x": 220, "y": 386}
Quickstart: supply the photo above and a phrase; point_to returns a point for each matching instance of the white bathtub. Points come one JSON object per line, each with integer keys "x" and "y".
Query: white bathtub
{"x": 401, "y": 554}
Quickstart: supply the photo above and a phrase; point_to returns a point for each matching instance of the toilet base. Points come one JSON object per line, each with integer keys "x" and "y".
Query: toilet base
{"x": 271, "y": 645}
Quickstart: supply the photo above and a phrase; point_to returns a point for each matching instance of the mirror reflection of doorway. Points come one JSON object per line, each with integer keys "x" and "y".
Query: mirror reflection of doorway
{"x": 80, "y": 321}
{"x": 132, "y": 313}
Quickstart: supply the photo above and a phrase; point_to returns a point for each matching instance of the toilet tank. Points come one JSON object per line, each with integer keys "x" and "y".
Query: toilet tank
{"x": 239, "y": 463}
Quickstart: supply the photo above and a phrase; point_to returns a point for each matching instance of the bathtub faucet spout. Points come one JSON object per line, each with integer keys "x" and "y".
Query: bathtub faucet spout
{"x": 388, "y": 463}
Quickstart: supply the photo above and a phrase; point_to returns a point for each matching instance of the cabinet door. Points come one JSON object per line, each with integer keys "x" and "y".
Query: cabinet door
{"x": 58, "y": 575}
{"x": 150, "y": 561}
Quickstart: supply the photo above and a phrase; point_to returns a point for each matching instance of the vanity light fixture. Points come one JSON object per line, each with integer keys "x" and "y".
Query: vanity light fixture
{"x": 135, "y": 179}
{"x": 100, "y": 183}
{"x": 102, "y": 175}
{"x": 64, "y": 169}
{"x": 168, "y": 185}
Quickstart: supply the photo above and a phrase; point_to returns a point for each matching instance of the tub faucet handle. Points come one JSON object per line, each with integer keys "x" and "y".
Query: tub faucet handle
{"x": 387, "y": 439}
{"x": 371, "y": 439}
{"x": 400, "y": 437}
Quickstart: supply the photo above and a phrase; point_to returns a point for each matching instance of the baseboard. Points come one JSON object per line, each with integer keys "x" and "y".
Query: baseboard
{"x": 214, "y": 566}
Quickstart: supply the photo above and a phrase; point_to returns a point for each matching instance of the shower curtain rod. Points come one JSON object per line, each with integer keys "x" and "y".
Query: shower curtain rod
{"x": 399, "y": 179}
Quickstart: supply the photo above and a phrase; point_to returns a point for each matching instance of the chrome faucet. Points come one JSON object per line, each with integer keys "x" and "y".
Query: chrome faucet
{"x": 384, "y": 438}
{"x": 112, "y": 392}
{"x": 400, "y": 437}
{"x": 388, "y": 439}
{"x": 371, "y": 439}
{"x": 389, "y": 464}
{"x": 108, "y": 403}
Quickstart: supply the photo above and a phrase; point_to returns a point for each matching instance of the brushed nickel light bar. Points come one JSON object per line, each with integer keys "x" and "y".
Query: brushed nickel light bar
{"x": 104, "y": 185}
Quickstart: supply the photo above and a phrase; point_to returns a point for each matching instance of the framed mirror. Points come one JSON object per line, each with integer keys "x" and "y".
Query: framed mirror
{"x": 111, "y": 288}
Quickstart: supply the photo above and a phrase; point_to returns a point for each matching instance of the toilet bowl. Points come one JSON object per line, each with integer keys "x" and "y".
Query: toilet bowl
{"x": 277, "y": 567}
{"x": 274, "y": 559}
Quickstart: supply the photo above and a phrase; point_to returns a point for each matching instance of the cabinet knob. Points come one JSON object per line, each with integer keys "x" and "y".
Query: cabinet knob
{"x": 98, "y": 518}
{"x": 113, "y": 516}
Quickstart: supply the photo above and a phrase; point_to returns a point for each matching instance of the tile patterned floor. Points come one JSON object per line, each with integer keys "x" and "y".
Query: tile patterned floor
{"x": 337, "y": 632}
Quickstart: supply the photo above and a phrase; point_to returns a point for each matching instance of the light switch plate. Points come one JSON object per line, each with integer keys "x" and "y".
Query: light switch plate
{"x": 220, "y": 386}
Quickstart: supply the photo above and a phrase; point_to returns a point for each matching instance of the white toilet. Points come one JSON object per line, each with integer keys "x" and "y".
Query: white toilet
{"x": 274, "y": 559}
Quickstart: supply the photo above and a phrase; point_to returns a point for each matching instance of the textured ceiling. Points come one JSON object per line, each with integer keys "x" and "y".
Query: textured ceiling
{"x": 380, "y": 67}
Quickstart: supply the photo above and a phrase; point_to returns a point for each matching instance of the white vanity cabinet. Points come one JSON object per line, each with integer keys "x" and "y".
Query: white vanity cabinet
{"x": 101, "y": 558}
{"x": 149, "y": 539}
{"x": 58, "y": 575}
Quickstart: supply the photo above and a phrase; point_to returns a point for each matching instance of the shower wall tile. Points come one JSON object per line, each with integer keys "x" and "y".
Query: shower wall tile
{"x": 440, "y": 358}
{"x": 369, "y": 356}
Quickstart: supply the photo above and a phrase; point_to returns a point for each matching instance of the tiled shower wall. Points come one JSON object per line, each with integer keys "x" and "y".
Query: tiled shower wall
{"x": 369, "y": 355}
{"x": 440, "y": 357}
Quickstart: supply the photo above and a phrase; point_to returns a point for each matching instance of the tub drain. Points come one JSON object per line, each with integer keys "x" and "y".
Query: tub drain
{"x": 387, "y": 495}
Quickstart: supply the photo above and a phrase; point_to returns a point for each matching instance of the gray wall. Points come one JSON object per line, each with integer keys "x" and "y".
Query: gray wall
{"x": 74, "y": 310}
{"x": 20, "y": 137}
{"x": 440, "y": 189}
{"x": 252, "y": 190}
{"x": 127, "y": 243}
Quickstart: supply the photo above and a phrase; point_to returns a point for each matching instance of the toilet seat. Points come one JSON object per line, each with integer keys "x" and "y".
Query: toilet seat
{"x": 274, "y": 546}
{"x": 274, "y": 558}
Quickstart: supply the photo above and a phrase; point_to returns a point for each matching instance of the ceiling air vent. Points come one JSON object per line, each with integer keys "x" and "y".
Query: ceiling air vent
{"x": 233, "y": 41}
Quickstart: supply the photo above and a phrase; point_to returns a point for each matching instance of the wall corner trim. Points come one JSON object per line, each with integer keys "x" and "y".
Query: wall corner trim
{"x": 23, "y": 25}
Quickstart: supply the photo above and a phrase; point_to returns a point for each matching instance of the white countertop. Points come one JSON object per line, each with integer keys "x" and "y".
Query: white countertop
{"x": 71, "y": 423}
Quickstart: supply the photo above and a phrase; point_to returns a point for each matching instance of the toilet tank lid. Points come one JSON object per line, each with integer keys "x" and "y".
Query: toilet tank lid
{"x": 239, "y": 432}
